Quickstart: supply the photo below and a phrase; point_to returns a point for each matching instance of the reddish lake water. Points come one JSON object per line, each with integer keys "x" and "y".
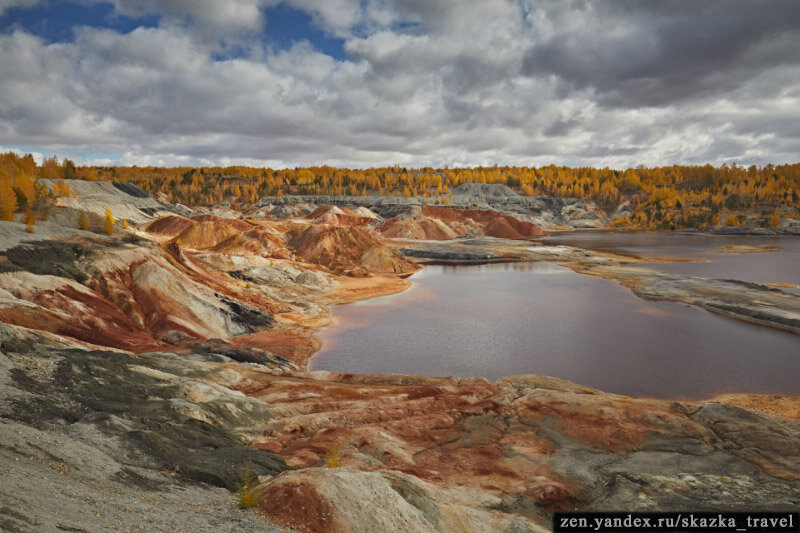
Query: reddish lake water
{"x": 498, "y": 320}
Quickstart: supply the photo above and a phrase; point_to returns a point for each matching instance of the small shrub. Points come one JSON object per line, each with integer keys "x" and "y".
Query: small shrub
{"x": 247, "y": 491}
{"x": 333, "y": 459}
{"x": 734, "y": 220}
{"x": 125, "y": 223}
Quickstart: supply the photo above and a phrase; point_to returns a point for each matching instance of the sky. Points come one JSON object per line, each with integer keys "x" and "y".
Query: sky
{"x": 362, "y": 83}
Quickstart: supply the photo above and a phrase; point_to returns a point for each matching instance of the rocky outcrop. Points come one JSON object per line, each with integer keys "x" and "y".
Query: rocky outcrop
{"x": 544, "y": 211}
{"x": 451, "y": 254}
{"x": 125, "y": 200}
{"x": 513, "y": 451}
{"x": 94, "y": 440}
{"x": 444, "y": 223}
{"x": 349, "y": 500}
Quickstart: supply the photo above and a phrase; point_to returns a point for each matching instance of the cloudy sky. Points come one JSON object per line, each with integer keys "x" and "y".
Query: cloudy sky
{"x": 410, "y": 82}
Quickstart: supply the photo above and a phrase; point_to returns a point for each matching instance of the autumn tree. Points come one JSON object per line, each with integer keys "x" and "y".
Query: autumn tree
{"x": 51, "y": 169}
{"x": 109, "y": 223}
{"x": 8, "y": 202}
{"x": 61, "y": 189}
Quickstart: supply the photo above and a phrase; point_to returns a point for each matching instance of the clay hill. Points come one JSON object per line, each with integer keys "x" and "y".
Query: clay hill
{"x": 351, "y": 250}
{"x": 443, "y": 223}
{"x": 143, "y": 374}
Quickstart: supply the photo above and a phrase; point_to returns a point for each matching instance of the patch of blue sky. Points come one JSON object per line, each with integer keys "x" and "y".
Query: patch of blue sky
{"x": 54, "y": 21}
{"x": 287, "y": 26}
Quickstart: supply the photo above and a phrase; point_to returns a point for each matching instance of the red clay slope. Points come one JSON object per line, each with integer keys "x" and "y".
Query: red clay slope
{"x": 170, "y": 225}
{"x": 351, "y": 250}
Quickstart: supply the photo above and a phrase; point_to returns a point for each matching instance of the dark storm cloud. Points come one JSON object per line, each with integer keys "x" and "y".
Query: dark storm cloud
{"x": 655, "y": 53}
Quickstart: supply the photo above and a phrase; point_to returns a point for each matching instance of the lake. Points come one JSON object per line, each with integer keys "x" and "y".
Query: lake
{"x": 538, "y": 318}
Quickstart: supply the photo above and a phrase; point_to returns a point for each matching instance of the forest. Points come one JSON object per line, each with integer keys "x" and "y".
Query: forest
{"x": 657, "y": 198}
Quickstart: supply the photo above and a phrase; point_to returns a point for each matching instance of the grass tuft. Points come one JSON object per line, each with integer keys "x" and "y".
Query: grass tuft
{"x": 247, "y": 491}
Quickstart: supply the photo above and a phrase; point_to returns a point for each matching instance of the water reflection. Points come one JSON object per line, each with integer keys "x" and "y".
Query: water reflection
{"x": 534, "y": 318}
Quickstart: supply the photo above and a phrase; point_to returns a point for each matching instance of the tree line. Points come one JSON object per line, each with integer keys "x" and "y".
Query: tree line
{"x": 656, "y": 198}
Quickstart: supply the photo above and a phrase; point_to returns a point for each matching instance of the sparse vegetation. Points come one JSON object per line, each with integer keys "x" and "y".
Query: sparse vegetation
{"x": 30, "y": 221}
{"x": 333, "y": 459}
{"x": 60, "y": 189}
{"x": 247, "y": 491}
{"x": 83, "y": 221}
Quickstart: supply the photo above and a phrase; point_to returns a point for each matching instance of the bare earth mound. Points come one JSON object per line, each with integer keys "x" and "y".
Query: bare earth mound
{"x": 171, "y": 225}
{"x": 238, "y": 223}
{"x": 508, "y": 227}
{"x": 204, "y": 235}
{"x": 255, "y": 241}
{"x": 350, "y": 250}
{"x": 451, "y": 214}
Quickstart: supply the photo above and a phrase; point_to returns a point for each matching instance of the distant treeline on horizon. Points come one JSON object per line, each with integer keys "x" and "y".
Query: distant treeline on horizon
{"x": 658, "y": 198}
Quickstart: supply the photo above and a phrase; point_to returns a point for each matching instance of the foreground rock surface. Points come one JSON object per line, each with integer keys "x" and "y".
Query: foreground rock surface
{"x": 154, "y": 439}
{"x": 97, "y": 440}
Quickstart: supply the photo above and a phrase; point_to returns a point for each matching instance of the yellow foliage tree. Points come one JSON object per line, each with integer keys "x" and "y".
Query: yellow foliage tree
{"x": 8, "y": 202}
{"x": 60, "y": 188}
{"x": 734, "y": 220}
{"x": 83, "y": 221}
{"x": 109, "y": 221}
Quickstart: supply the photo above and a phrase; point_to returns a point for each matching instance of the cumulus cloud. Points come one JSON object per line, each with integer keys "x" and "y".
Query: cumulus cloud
{"x": 220, "y": 17}
{"x": 450, "y": 82}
